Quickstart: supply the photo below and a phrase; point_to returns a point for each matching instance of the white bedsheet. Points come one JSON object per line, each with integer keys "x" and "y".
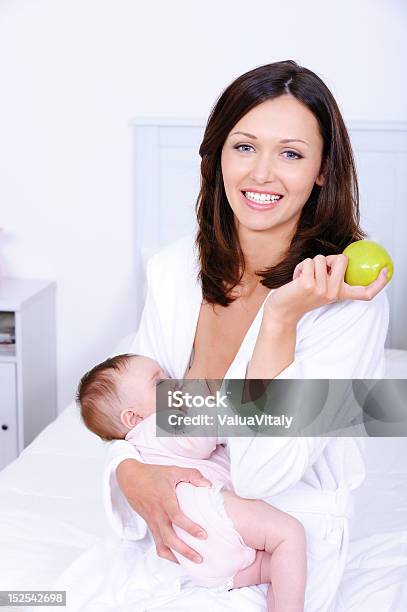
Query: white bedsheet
{"x": 51, "y": 514}
{"x": 50, "y": 504}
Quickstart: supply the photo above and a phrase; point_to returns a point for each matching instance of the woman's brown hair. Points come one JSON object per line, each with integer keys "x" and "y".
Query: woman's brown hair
{"x": 330, "y": 218}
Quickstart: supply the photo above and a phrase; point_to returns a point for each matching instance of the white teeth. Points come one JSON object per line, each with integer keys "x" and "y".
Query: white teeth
{"x": 261, "y": 197}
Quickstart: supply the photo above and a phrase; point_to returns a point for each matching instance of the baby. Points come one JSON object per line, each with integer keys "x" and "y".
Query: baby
{"x": 249, "y": 541}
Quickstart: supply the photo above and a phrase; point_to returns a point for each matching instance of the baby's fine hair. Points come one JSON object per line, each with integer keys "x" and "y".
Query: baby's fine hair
{"x": 97, "y": 392}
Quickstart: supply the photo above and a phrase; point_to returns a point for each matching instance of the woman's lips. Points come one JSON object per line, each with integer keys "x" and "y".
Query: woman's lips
{"x": 256, "y": 206}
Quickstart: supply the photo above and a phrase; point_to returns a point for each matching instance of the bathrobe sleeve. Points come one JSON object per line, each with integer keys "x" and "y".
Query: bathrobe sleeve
{"x": 341, "y": 341}
{"x": 124, "y": 520}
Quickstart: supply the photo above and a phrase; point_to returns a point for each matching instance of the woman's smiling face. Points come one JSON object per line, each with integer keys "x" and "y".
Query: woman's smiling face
{"x": 261, "y": 160}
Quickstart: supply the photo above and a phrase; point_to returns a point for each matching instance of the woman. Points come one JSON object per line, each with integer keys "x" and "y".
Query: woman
{"x": 277, "y": 206}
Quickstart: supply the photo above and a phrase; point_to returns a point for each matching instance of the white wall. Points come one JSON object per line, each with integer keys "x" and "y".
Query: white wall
{"x": 72, "y": 75}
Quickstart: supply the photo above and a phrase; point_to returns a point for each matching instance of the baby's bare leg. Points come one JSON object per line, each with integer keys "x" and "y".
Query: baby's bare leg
{"x": 281, "y": 558}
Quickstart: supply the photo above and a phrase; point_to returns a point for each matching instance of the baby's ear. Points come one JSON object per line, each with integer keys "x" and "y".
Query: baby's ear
{"x": 130, "y": 418}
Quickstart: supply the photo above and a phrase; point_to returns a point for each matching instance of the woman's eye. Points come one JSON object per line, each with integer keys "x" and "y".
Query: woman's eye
{"x": 244, "y": 145}
{"x": 291, "y": 153}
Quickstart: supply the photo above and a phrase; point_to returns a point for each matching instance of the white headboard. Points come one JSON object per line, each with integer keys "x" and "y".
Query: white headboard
{"x": 167, "y": 182}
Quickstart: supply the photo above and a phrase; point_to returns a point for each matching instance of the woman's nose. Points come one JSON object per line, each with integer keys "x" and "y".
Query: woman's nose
{"x": 263, "y": 171}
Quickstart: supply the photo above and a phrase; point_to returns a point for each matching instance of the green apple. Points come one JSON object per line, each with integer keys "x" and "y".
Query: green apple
{"x": 366, "y": 259}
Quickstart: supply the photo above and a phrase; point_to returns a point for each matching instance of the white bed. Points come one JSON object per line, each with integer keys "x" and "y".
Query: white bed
{"x": 50, "y": 498}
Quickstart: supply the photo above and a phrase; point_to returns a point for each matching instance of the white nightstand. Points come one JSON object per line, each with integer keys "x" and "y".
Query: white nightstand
{"x": 28, "y": 398}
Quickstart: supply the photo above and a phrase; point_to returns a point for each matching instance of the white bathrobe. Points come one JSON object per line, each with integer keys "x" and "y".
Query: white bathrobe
{"x": 309, "y": 477}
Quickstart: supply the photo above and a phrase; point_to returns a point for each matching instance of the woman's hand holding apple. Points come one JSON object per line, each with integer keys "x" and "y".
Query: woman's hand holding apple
{"x": 317, "y": 282}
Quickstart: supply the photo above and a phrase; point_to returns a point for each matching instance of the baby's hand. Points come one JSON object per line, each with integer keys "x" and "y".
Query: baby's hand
{"x": 317, "y": 282}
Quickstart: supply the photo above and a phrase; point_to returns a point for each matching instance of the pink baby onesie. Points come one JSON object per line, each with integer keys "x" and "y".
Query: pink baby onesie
{"x": 224, "y": 552}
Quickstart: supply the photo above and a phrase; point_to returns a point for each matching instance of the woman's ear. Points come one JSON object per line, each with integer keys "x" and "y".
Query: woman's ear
{"x": 130, "y": 418}
{"x": 320, "y": 180}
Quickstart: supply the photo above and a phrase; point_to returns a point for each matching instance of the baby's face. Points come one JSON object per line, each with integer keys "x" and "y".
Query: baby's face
{"x": 137, "y": 385}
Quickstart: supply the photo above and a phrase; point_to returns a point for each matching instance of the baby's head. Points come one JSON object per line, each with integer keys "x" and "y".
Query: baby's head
{"x": 118, "y": 393}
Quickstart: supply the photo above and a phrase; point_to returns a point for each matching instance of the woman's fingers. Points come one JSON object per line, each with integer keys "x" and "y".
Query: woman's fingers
{"x": 369, "y": 292}
{"x": 194, "y": 477}
{"x": 171, "y": 540}
{"x": 305, "y": 270}
{"x": 317, "y": 282}
{"x": 320, "y": 266}
{"x": 166, "y": 540}
{"x": 337, "y": 265}
{"x": 175, "y": 516}
{"x": 178, "y": 518}
{"x": 179, "y": 546}
{"x": 163, "y": 551}
{"x": 297, "y": 270}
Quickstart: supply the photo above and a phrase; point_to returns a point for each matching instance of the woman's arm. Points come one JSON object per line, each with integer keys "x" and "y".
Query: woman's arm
{"x": 344, "y": 340}
{"x": 267, "y": 363}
